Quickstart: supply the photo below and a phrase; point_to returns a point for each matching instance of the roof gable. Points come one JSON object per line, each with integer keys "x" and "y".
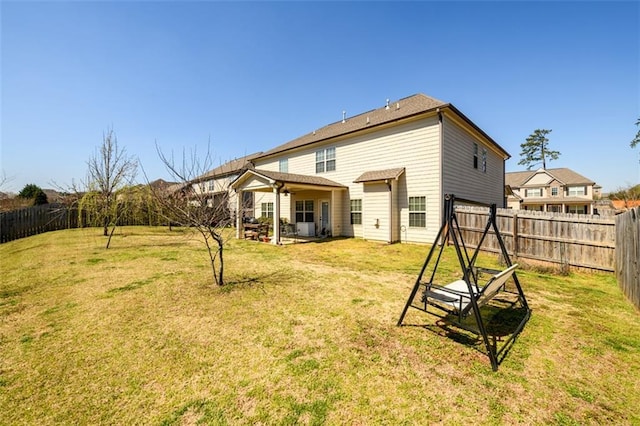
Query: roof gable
{"x": 230, "y": 167}
{"x": 564, "y": 176}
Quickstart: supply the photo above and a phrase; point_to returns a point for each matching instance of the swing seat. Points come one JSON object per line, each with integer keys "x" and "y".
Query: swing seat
{"x": 456, "y": 296}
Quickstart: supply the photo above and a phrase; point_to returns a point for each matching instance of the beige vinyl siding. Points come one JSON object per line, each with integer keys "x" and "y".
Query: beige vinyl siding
{"x": 458, "y": 175}
{"x": 337, "y": 200}
{"x": 375, "y": 212}
{"x": 413, "y": 145}
{"x": 395, "y": 212}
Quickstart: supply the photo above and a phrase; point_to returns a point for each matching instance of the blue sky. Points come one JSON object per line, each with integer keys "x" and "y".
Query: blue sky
{"x": 251, "y": 75}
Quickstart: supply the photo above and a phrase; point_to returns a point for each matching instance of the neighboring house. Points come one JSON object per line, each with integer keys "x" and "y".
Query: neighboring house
{"x": 558, "y": 190}
{"x": 380, "y": 175}
{"x": 214, "y": 186}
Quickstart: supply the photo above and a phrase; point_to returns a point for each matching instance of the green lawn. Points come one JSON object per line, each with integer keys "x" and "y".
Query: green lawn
{"x": 301, "y": 334}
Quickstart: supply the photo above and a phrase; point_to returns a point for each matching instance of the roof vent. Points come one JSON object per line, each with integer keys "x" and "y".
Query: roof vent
{"x": 344, "y": 113}
{"x": 397, "y": 106}
{"x": 368, "y": 121}
{"x": 387, "y": 107}
{"x": 314, "y": 132}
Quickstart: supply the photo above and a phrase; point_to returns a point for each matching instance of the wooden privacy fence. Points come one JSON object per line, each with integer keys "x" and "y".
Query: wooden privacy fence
{"x": 566, "y": 240}
{"x": 628, "y": 254}
{"x": 36, "y": 220}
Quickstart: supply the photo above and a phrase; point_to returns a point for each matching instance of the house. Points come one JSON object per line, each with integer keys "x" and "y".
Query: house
{"x": 380, "y": 175}
{"x": 558, "y": 190}
{"x": 213, "y": 187}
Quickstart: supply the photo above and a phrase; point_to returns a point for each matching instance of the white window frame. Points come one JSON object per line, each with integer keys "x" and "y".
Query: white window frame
{"x": 305, "y": 210}
{"x": 326, "y": 160}
{"x": 475, "y": 155}
{"x": 484, "y": 160}
{"x": 283, "y": 165}
{"x": 355, "y": 208}
{"x": 554, "y": 191}
{"x": 576, "y": 191}
{"x": 418, "y": 212}
{"x": 266, "y": 210}
{"x": 538, "y": 191}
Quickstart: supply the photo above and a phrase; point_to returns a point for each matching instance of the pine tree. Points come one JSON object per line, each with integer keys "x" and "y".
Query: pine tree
{"x": 535, "y": 150}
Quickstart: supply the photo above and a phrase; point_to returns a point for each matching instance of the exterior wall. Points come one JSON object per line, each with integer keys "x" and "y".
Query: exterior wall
{"x": 395, "y": 213}
{"x": 218, "y": 185}
{"x": 413, "y": 145}
{"x": 459, "y": 177}
{"x": 375, "y": 212}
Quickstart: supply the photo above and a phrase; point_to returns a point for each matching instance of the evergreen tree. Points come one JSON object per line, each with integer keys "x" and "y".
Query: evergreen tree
{"x": 636, "y": 140}
{"x": 535, "y": 150}
{"x": 35, "y": 193}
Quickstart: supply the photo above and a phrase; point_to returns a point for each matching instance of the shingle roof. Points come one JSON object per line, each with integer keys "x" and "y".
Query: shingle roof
{"x": 299, "y": 179}
{"x": 230, "y": 167}
{"x": 402, "y": 108}
{"x": 563, "y": 174}
{"x": 376, "y": 175}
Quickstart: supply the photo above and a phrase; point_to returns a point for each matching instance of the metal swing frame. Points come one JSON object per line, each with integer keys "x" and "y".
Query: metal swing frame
{"x": 444, "y": 298}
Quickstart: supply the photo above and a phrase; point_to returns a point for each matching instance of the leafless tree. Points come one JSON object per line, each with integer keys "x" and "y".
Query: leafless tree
{"x": 110, "y": 169}
{"x": 628, "y": 196}
{"x": 200, "y": 200}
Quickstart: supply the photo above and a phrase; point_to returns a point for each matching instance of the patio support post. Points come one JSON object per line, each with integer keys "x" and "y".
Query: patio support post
{"x": 276, "y": 217}
{"x": 239, "y": 212}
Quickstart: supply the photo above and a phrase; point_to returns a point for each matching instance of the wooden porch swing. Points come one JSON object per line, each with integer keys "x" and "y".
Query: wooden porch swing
{"x": 456, "y": 301}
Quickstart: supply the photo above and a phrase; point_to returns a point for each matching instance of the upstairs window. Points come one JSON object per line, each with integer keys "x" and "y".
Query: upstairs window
{"x": 554, "y": 191}
{"x": 326, "y": 160}
{"x": 418, "y": 212}
{"x": 475, "y": 155}
{"x": 211, "y": 185}
{"x": 576, "y": 191}
{"x": 284, "y": 165}
{"x": 356, "y": 212}
{"x": 484, "y": 160}
{"x": 304, "y": 211}
{"x": 533, "y": 192}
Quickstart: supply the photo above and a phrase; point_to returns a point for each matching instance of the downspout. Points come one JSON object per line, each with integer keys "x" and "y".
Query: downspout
{"x": 440, "y": 164}
{"x": 390, "y": 211}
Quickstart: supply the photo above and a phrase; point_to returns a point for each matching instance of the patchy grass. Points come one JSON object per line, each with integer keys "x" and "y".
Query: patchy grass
{"x": 302, "y": 334}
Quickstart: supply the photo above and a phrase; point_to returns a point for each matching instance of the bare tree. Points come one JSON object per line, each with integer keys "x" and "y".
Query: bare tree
{"x": 628, "y": 196}
{"x": 110, "y": 169}
{"x": 201, "y": 200}
{"x": 3, "y": 179}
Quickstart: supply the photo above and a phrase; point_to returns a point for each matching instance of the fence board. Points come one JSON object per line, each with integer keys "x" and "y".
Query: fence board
{"x": 36, "y": 220}
{"x": 628, "y": 254}
{"x": 562, "y": 239}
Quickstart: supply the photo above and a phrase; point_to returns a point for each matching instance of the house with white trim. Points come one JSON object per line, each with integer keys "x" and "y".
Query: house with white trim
{"x": 380, "y": 175}
{"x": 559, "y": 190}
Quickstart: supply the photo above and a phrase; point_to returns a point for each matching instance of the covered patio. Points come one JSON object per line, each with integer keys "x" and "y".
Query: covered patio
{"x": 316, "y": 194}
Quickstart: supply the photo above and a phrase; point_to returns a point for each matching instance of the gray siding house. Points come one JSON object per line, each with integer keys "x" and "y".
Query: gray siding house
{"x": 380, "y": 175}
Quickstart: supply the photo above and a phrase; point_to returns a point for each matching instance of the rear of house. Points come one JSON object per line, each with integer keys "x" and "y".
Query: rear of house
{"x": 559, "y": 190}
{"x": 380, "y": 175}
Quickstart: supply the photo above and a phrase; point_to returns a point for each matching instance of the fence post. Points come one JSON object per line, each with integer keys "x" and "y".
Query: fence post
{"x": 515, "y": 235}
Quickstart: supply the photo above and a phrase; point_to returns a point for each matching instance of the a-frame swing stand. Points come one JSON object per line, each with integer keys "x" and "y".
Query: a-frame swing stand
{"x": 459, "y": 303}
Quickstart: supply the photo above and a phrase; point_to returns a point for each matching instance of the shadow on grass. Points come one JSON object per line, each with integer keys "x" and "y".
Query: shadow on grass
{"x": 247, "y": 281}
{"x": 502, "y": 325}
